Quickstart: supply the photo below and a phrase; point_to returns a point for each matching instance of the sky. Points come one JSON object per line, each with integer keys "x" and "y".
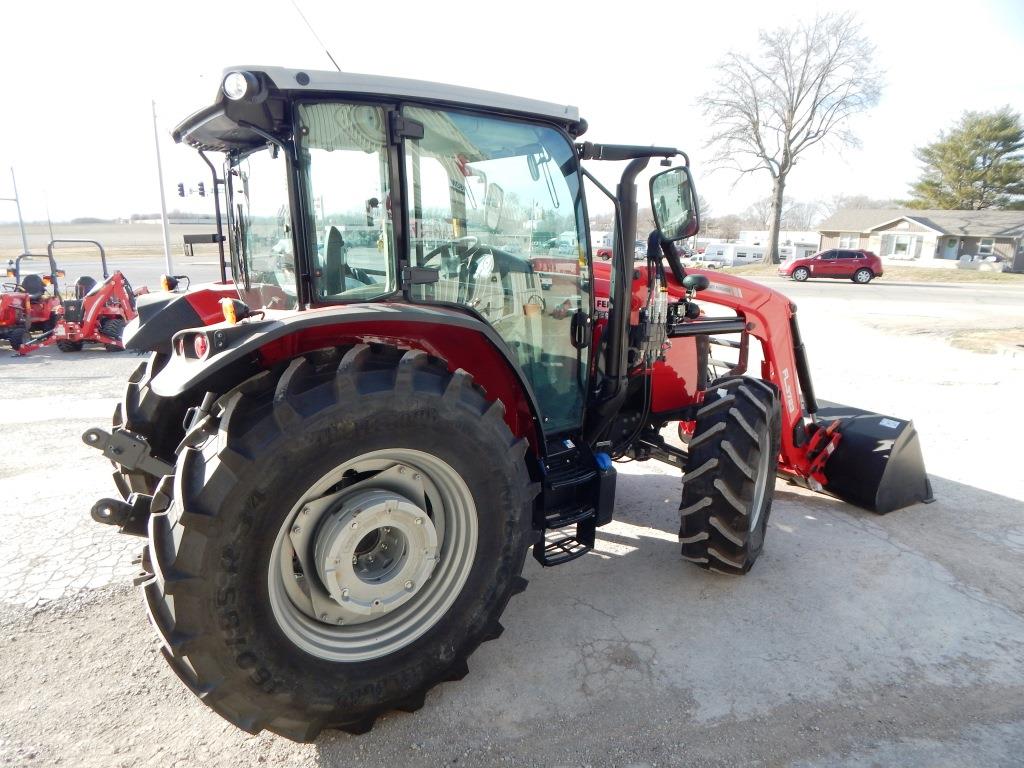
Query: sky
{"x": 78, "y": 80}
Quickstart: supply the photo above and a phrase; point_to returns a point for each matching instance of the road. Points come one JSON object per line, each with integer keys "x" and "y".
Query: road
{"x": 856, "y": 640}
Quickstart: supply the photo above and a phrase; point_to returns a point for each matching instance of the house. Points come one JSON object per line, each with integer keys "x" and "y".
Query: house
{"x": 929, "y": 238}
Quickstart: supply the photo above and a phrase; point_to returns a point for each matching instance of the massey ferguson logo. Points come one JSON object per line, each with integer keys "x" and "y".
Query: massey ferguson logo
{"x": 787, "y": 390}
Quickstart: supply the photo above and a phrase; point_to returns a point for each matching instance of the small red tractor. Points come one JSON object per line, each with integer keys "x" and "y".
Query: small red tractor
{"x": 97, "y": 313}
{"x": 340, "y": 468}
{"x": 30, "y": 303}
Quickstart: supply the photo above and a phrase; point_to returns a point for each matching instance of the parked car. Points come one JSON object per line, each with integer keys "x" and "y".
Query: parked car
{"x": 701, "y": 261}
{"x": 860, "y": 266}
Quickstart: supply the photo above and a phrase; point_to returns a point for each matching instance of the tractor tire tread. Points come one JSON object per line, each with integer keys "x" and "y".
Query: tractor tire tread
{"x": 715, "y": 508}
{"x": 206, "y": 476}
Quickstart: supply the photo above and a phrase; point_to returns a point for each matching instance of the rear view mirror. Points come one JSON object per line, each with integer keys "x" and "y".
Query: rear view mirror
{"x": 493, "y": 203}
{"x": 674, "y": 202}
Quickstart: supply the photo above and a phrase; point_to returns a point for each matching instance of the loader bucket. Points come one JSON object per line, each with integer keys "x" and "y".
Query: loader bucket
{"x": 877, "y": 463}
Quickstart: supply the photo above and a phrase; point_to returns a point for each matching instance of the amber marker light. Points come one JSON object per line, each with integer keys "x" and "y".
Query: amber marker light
{"x": 234, "y": 310}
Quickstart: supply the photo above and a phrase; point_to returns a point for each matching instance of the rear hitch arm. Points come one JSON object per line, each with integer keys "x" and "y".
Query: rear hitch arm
{"x": 128, "y": 450}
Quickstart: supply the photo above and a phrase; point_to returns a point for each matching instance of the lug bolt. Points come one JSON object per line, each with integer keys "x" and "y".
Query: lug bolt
{"x": 305, "y": 510}
{"x": 296, "y": 529}
{"x": 355, "y": 560}
{"x": 344, "y": 594}
{"x": 409, "y": 585}
{"x": 419, "y": 521}
{"x": 401, "y": 470}
{"x": 416, "y": 476}
{"x": 354, "y": 525}
{"x": 323, "y": 617}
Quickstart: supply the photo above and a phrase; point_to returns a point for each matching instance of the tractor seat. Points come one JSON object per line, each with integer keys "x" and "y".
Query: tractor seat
{"x": 34, "y": 286}
{"x": 83, "y": 285}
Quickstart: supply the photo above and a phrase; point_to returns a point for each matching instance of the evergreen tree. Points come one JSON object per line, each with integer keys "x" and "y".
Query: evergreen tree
{"x": 979, "y": 164}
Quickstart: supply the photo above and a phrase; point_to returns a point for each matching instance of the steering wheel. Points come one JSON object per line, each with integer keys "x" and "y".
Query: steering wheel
{"x": 468, "y": 244}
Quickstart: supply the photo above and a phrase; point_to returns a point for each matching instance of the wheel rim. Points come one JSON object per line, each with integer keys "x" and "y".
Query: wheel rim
{"x": 800, "y": 274}
{"x": 372, "y": 555}
{"x": 764, "y": 471}
{"x": 862, "y": 277}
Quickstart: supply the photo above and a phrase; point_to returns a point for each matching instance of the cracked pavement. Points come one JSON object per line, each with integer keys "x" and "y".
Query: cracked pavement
{"x": 856, "y": 640}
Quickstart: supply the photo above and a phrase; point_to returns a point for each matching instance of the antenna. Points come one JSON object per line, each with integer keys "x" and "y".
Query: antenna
{"x": 313, "y": 32}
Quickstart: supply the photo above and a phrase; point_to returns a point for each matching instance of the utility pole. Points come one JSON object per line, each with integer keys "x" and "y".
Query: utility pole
{"x": 163, "y": 203}
{"x": 21, "y": 223}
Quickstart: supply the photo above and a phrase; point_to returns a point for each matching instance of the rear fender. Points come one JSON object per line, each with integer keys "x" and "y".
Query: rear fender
{"x": 242, "y": 350}
{"x": 161, "y": 315}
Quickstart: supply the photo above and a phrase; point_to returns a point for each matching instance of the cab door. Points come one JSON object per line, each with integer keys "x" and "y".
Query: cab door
{"x": 495, "y": 205}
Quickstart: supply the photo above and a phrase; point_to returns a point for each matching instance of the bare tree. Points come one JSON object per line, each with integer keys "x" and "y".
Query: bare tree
{"x": 759, "y": 213}
{"x": 801, "y": 216}
{"x": 842, "y": 202}
{"x": 802, "y": 87}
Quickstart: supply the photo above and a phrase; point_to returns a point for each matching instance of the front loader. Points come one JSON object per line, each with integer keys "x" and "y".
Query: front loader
{"x": 424, "y": 377}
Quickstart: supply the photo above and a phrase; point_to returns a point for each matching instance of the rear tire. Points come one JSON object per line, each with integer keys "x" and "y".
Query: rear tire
{"x": 17, "y": 337}
{"x": 863, "y": 276}
{"x": 800, "y": 274}
{"x": 113, "y": 327}
{"x": 251, "y": 641}
{"x": 729, "y": 480}
{"x": 160, "y": 420}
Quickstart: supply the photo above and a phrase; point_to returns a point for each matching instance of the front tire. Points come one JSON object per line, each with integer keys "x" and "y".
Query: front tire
{"x": 800, "y": 274}
{"x": 265, "y": 591}
{"x": 729, "y": 479}
{"x": 70, "y": 346}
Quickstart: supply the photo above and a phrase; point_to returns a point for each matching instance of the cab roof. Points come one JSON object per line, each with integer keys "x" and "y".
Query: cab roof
{"x": 217, "y": 127}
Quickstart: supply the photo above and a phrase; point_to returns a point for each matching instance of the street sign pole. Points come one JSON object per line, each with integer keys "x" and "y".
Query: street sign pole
{"x": 17, "y": 203}
{"x": 163, "y": 203}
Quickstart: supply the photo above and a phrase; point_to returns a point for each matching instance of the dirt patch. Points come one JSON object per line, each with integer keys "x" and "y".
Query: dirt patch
{"x": 990, "y": 341}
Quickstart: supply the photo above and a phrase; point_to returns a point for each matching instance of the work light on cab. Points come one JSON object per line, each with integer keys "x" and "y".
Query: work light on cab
{"x": 240, "y": 85}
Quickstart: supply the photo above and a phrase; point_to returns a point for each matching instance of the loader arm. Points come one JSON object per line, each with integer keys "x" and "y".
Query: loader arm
{"x": 865, "y": 458}
{"x": 769, "y": 315}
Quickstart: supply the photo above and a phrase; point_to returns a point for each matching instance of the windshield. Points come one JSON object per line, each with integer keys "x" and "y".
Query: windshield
{"x": 344, "y": 155}
{"x": 260, "y": 222}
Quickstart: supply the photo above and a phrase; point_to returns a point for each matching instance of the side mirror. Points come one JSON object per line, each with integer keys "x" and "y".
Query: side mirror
{"x": 674, "y": 203}
{"x": 695, "y": 283}
{"x": 493, "y": 203}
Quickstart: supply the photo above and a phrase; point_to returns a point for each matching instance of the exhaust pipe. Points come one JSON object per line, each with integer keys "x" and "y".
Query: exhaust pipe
{"x": 877, "y": 463}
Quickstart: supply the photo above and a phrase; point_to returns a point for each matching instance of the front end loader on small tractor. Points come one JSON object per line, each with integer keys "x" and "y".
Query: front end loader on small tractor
{"x": 96, "y": 314}
{"x": 341, "y": 470}
{"x": 30, "y": 303}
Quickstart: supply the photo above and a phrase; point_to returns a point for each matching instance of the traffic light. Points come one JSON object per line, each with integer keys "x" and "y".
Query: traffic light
{"x": 202, "y": 189}
{"x": 181, "y": 189}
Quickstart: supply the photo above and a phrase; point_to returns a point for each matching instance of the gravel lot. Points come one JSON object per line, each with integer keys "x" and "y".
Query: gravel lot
{"x": 857, "y": 640}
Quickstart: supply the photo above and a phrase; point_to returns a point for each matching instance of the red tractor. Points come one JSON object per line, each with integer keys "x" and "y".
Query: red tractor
{"x": 97, "y": 313}
{"x": 26, "y": 305}
{"x": 339, "y": 481}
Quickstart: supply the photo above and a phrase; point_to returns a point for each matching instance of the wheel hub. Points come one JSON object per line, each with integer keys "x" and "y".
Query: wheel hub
{"x": 373, "y": 552}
